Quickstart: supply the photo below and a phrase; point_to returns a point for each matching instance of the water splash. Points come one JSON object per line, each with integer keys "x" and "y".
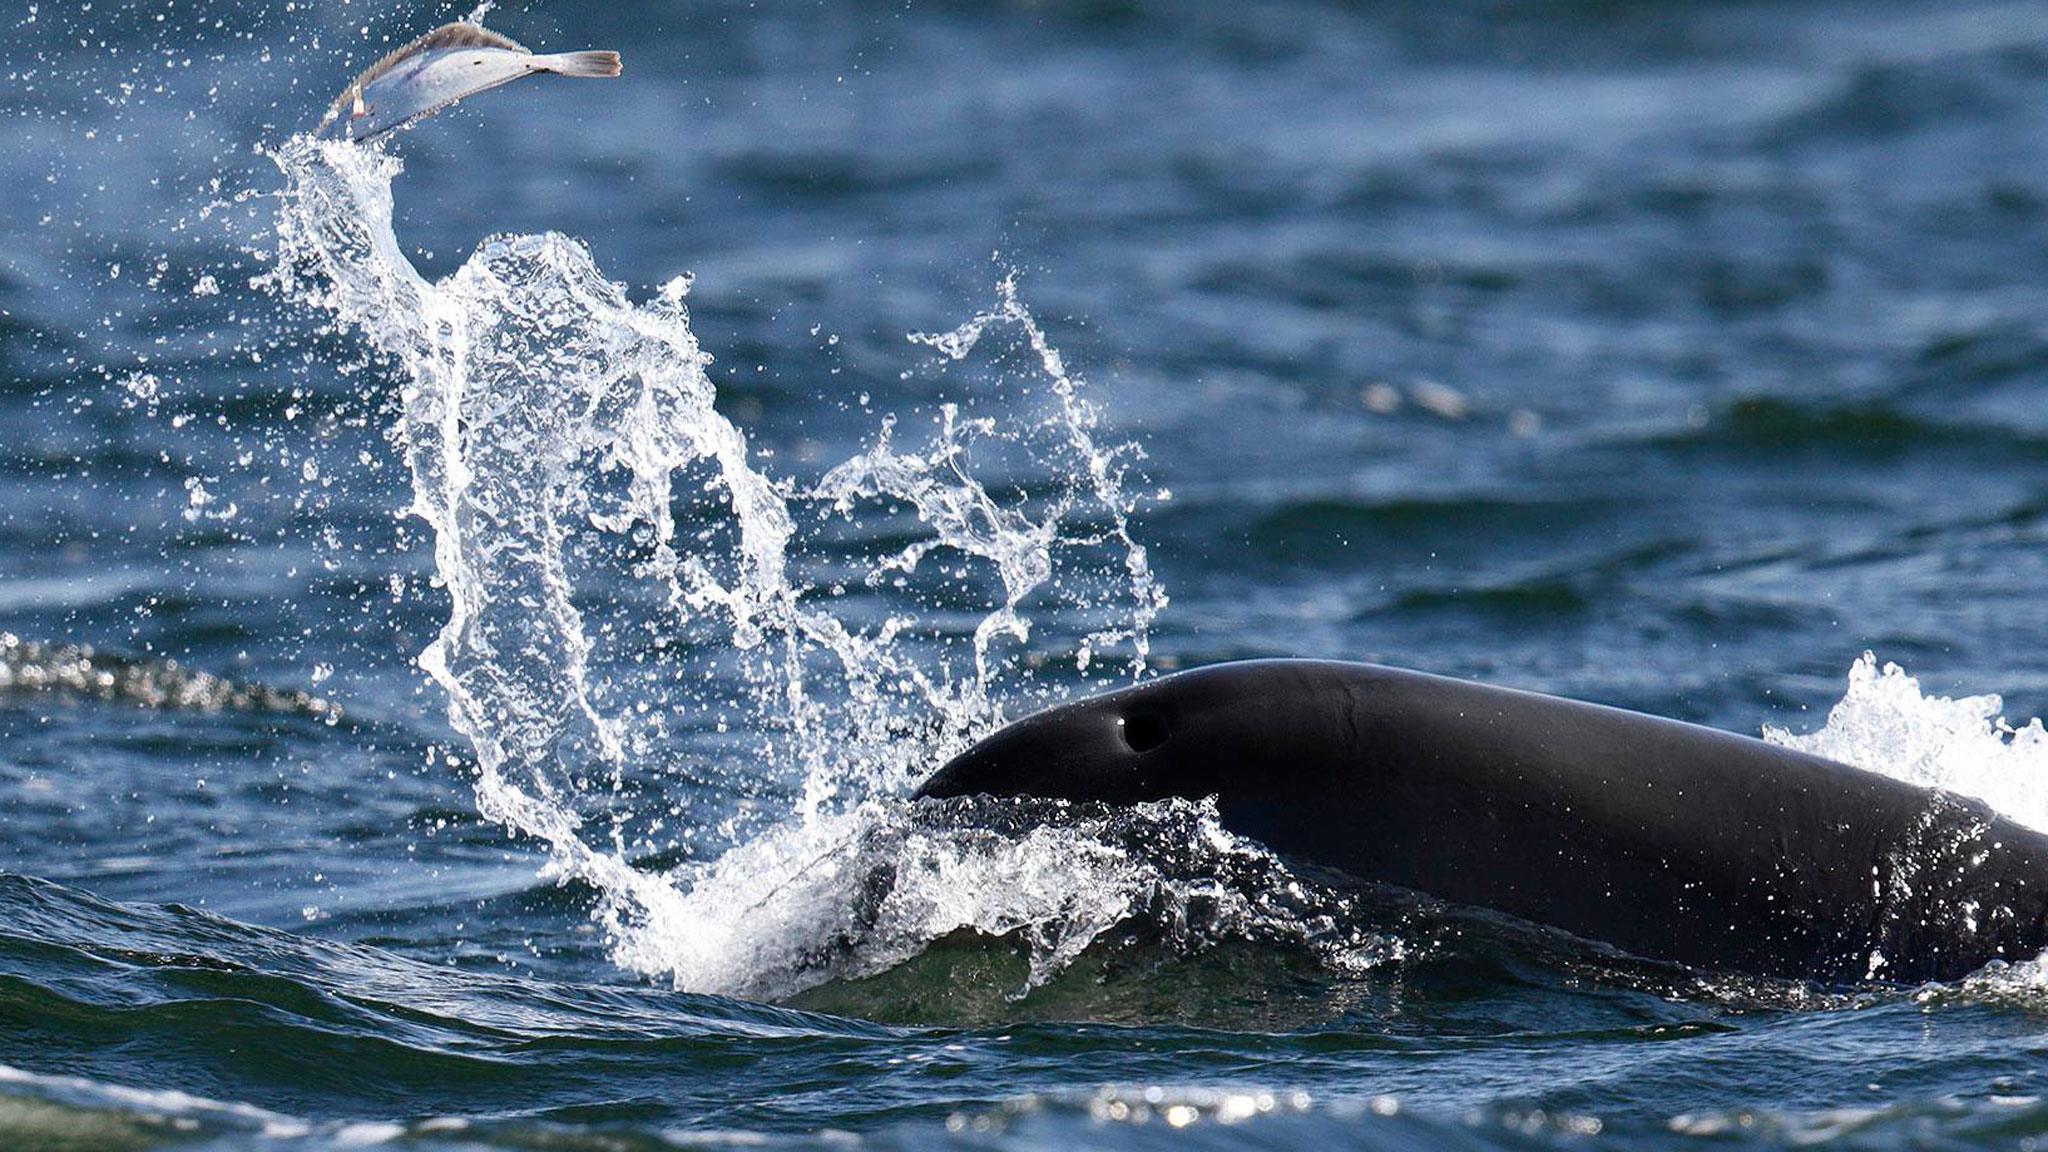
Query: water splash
{"x": 860, "y": 893}
{"x": 1076, "y": 422}
{"x": 1885, "y": 724}
{"x": 618, "y": 574}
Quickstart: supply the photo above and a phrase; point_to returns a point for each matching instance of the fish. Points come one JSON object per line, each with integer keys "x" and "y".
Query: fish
{"x": 448, "y": 64}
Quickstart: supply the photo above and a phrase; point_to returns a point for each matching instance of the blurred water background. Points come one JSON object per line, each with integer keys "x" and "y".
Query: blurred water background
{"x": 1668, "y": 355}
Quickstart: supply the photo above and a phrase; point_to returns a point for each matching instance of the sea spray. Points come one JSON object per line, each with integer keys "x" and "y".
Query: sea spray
{"x": 1884, "y": 723}
{"x": 554, "y": 427}
{"x": 857, "y": 894}
{"x": 1075, "y": 422}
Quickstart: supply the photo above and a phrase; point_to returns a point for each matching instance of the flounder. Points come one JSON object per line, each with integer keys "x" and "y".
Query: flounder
{"x": 451, "y": 62}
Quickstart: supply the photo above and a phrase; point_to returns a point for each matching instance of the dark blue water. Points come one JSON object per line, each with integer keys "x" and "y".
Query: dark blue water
{"x": 1662, "y": 354}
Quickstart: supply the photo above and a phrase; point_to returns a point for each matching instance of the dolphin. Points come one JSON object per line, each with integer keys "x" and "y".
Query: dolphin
{"x": 438, "y": 69}
{"x": 1668, "y": 840}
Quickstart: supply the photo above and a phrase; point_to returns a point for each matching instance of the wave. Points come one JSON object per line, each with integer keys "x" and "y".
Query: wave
{"x": 1887, "y": 98}
{"x": 29, "y": 667}
{"x": 1877, "y": 427}
{"x": 174, "y": 1001}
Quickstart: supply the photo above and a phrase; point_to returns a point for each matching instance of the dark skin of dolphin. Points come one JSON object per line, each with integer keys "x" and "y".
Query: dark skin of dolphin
{"x": 1665, "y": 839}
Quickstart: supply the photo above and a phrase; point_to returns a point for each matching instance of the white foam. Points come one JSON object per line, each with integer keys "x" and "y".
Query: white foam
{"x": 152, "y": 1105}
{"x": 1885, "y": 724}
{"x": 859, "y": 893}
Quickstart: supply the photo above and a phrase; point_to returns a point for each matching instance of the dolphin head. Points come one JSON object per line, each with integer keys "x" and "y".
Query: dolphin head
{"x": 1190, "y": 735}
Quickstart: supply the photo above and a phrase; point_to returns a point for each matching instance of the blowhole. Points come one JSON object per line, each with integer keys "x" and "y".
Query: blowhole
{"x": 1142, "y": 733}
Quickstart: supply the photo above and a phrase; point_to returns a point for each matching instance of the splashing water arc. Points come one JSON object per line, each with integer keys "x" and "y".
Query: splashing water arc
{"x": 550, "y": 422}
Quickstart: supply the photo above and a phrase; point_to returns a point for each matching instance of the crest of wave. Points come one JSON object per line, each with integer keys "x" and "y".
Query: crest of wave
{"x": 621, "y": 581}
{"x": 1885, "y": 724}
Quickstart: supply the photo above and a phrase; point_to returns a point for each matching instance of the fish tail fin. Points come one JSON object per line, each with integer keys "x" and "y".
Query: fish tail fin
{"x": 598, "y": 64}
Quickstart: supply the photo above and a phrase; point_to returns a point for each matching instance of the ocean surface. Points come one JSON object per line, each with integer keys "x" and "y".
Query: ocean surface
{"x": 474, "y": 606}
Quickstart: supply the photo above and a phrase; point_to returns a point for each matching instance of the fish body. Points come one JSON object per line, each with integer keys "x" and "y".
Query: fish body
{"x": 451, "y": 62}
